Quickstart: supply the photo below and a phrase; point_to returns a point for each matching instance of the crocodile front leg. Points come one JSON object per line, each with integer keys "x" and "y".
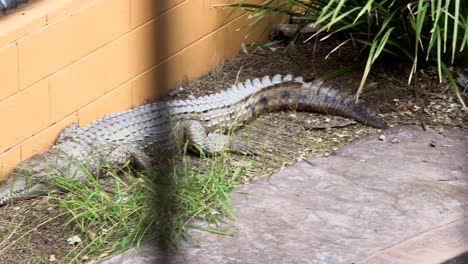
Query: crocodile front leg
{"x": 212, "y": 143}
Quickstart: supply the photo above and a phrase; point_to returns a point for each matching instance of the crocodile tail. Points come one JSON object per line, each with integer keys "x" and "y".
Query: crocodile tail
{"x": 324, "y": 99}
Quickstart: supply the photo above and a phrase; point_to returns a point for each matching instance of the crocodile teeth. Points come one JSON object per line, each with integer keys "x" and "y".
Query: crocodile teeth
{"x": 266, "y": 81}
{"x": 287, "y": 78}
{"x": 276, "y": 79}
{"x": 299, "y": 79}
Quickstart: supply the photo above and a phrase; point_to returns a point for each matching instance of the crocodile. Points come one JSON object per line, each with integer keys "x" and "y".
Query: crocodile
{"x": 142, "y": 134}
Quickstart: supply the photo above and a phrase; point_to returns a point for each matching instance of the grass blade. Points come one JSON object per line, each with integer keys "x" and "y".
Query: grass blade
{"x": 455, "y": 28}
{"x": 366, "y": 70}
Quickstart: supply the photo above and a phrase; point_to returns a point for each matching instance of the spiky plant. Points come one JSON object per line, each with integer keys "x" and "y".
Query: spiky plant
{"x": 421, "y": 31}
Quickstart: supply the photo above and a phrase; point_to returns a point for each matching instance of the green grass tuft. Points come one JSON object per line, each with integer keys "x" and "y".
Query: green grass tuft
{"x": 140, "y": 206}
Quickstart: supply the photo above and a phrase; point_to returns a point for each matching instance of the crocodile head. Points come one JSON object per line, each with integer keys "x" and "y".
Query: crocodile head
{"x": 26, "y": 181}
{"x": 20, "y": 187}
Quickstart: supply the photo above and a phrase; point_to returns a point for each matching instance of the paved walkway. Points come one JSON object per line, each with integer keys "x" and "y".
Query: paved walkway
{"x": 402, "y": 200}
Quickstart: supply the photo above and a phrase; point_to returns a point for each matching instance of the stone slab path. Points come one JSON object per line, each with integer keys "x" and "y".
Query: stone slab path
{"x": 399, "y": 200}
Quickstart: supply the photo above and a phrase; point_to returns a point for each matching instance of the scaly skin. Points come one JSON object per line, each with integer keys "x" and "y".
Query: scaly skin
{"x": 156, "y": 129}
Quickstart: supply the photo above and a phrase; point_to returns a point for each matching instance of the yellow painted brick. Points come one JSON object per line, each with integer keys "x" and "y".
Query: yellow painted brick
{"x": 9, "y": 70}
{"x": 218, "y": 15}
{"x": 68, "y": 7}
{"x": 144, "y": 87}
{"x": 101, "y": 22}
{"x": 173, "y": 31}
{"x": 204, "y": 53}
{"x": 77, "y": 85}
{"x": 8, "y": 161}
{"x": 144, "y": 10}
{"x": 116, "y": 56}
{"x": 45, "y": 139}
{"x": 117, "y": 100}
{"x": 85, "y": 80}
{"x": 24, "y": 114}
{"x": 20, "y": 23}
{"x": 144, "y": 48}
{"x": 68, "y": 39}
{"x": 165, "y": 35}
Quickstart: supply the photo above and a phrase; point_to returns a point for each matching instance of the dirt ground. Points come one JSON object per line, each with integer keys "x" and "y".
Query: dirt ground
{"x": 32, "y": 231}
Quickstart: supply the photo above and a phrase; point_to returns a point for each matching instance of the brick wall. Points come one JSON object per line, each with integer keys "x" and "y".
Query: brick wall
{"x": 64, "y": 61}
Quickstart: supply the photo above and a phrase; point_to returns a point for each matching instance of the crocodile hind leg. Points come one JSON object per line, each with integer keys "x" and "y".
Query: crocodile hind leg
{"x": 213, "y": 143}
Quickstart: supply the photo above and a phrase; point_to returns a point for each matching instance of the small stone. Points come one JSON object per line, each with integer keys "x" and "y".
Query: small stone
{"x": 74, "y": 240}
{"x": 395, "y": 141}
{"x": 382, "y": 138}
{"x": 52, "y": 258}
{"x": 432, "y": 144}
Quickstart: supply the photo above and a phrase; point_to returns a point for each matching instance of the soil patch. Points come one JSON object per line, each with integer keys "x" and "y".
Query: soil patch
{"x": 32, "y": 231}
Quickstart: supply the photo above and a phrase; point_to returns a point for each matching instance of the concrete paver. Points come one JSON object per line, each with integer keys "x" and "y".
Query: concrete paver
{"x": 373, "y": 201}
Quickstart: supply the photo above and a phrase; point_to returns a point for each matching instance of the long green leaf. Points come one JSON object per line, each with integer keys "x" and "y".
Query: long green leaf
{"x": 455, "y": 28}
{"x": 385, "y": 23}
{"x": 336, "y": 12}
{"x": 324, "y": 12}
{"x": 382, "y": 43}
{"x": 343, "y": 28}
{"x": 438, "y": 11}
{"x": 465, "y": 36}
{"x": 446, "y": 8}
{"x": 325, "y": 27}
{"x": 365, "y": 9}
{"x": 366, "y": 70}
{"x": 439, "y": 51}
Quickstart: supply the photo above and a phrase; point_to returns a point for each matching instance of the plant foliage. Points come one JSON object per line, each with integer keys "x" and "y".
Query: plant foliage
{"x": 421, "y": 31}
